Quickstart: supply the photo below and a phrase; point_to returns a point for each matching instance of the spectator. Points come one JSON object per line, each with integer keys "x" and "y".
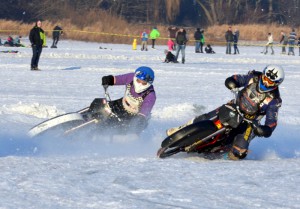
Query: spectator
{"x": 299, "y": 45}
{"x": 170, "y": 45}
{"x": 170, "y": 57}
{"x": 283, "y": 41}
{"x": 57, "y": 31}
{"x": 229, "y": 40}
{"x": 181, "y": 40}
{"x": 17, "y": 41}
{"x": 172, "y": 34}
{"x": 291, "y": 41}
{"x": 9, "y": 41}
{"x": 37, "y": 39}
{"x": 269, "y": 44}
{"x": 209, "y": 50}
{"x": 202, "y": 40}
{"x": 144, "y": 38}
{"x": 236, "y": 36}
{"x": 197, "y": 37}
{"x": 154, "y": 35}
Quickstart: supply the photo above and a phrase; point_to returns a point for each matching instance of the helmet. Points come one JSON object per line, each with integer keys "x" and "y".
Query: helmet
{"x": 145, "y": 74}
{"x": 272, "y": 76}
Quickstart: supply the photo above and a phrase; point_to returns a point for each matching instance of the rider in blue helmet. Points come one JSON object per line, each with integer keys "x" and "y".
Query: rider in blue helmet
{"x": 143, "y": 79}
{"x": 135, "y": 107}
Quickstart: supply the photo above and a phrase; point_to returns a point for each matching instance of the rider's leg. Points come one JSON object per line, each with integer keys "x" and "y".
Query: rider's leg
{"x": 99, "y": 108}
{"x": 241, "y": 143}
{"x": 97, "y": 105}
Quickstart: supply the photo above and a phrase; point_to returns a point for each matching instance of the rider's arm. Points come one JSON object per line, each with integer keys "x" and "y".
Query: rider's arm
{"x": 271, "y": 119}
{"x": 237, "y": 81}
{"x": 148, "y": 104}
{"x": 118, "y": 79}
{"x": 272, "y": 113}
{"x": 123, "y": 79}
{"x": 139, "y": 123}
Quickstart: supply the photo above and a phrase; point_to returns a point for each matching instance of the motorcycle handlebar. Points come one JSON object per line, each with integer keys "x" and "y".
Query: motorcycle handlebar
{"x": 106, "y": 93}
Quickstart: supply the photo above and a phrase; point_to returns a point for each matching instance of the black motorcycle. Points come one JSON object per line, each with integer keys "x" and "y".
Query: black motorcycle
{"x": 209, "y": 137}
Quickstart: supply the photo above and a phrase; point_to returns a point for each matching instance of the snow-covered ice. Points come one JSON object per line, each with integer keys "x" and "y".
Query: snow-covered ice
{"x": 93, "y": 173}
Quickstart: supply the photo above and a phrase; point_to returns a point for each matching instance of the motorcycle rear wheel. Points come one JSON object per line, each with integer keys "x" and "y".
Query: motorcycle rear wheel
{"x": 58, "y": 124}
{"x": 185, "y": 137}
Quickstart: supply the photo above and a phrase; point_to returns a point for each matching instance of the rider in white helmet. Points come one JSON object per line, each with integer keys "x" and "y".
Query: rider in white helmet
{"x": 258, "y": 97}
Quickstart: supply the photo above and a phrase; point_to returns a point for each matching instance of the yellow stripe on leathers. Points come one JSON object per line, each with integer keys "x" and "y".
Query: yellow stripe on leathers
{"x": 248, "y": 132}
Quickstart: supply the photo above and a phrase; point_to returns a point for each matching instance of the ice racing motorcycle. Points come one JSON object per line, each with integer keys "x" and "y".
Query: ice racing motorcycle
{"x": 90, "y": 117}
{"x": 208, "y": 137}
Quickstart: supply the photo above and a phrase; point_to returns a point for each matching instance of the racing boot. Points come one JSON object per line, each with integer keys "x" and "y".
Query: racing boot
{"x": 239, "y": 149}
{"x": 237, "y": 153}
{"x": 173, "y": 130}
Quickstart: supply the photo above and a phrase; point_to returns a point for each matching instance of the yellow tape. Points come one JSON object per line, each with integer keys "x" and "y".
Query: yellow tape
{"x": 160, "y": 38}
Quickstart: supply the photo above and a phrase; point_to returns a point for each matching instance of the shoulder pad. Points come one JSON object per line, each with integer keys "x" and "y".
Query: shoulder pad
{"x": 255, "y": 74}
{"x": 275, "y": 93}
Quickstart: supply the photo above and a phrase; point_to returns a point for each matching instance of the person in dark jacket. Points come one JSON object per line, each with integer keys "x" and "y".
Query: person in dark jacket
{"x": 258, "y": 96}
{"x": 229, "y": 40}
{"x": 181, "y": 40}
{"x": 209, "y": 50}
{"x": 291, "y": 40}
{"x": 284, "y": 41}
{"x": 197, "y": 37}
{"x": 57, "y": 31}
{"x": 298, "y": 44}
{"x": 236, "y": 36}
{"x": 170, "y": 57}
{"x": 37, "y": 39}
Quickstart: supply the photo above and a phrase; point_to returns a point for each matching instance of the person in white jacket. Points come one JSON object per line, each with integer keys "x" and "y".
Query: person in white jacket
{"x": 269, "y": 44}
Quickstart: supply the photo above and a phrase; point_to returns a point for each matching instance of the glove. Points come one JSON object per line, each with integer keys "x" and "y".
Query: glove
{"x": 235, "y": 90}
{"x": 230, "y": 83}
{"x": 108, "y": 80}
{"x": 261, "y": 131}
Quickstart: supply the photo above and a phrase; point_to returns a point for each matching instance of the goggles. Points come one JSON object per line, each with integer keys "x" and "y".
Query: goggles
{"x": 141, "y": 82}
{"x": 267, "y": 80}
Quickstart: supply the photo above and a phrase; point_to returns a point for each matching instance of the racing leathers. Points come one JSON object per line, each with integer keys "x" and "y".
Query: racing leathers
{"x": 133, "y": 109}
{"x": 253, "y": 105}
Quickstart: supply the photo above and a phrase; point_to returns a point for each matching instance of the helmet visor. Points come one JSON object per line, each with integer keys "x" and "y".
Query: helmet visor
{"x": 142, "y": 82}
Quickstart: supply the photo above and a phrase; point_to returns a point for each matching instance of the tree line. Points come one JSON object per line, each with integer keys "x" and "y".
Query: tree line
{"x": 169, "y": 12}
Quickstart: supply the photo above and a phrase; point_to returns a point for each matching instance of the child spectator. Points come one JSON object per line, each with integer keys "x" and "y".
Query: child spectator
{"x": 144, "y": 38}
{"x": 170, "y": 45}
{"x": 170, "y": 57}
{"x": 209, "y": 50}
